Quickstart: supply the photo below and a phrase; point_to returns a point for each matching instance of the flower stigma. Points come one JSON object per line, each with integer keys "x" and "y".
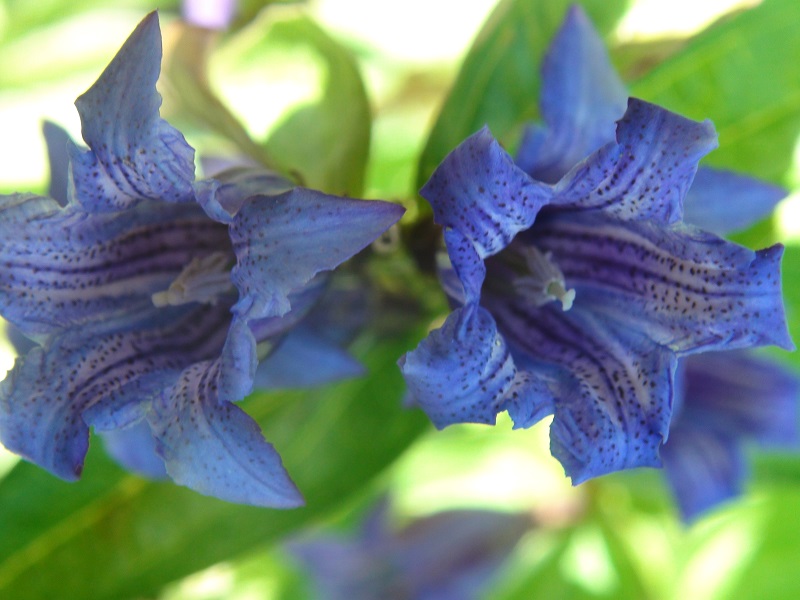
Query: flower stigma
{"x": 544, "y": 281}
{"x": 203, "y": 280}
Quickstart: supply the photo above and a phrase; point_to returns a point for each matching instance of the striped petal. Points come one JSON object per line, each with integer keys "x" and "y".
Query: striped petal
{"x": 581, "y": 99}
{"x": 133, "y": 154}
{"x": 214, "y": 447}
{"x": 682, "y": 287}
{"x": 54, "y": 393}
{"x": 64, "y": 267}
{"x": 282, "y": 241}
{"x": 612, "y": 386}
{"x": 646, "y": 173}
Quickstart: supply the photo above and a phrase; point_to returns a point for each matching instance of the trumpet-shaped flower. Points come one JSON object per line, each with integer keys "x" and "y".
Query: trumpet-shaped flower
{"x": 453, "y": 554}
{"x": 576, "y": 281}
{"x": 152, "y": 297}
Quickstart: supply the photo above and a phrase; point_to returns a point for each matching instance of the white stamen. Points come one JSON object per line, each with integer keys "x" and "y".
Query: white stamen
{"x": 544, "y": 281}
{"x": 202, "y": 280}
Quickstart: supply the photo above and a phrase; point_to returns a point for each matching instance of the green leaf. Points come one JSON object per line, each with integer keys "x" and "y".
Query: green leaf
{"x": 113, "y": 535}
{"x": 743, "y": 76}
{"x": 498, "y": 84}
{"x": 191, "y": 98}
{"x": 326, "y": 142}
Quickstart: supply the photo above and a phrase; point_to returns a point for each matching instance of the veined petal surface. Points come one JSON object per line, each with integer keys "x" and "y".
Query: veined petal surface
{"x": 478, "y": 191}
{"x": 282, "y": 241}
{"x": 64, "y": 267}
{"x": 646, "y": 173}
{"x": 682, "y": 287}
{"x": 464, "y": 373}
{"x": 612, "y": 393}
{"x": 134, "y": 154}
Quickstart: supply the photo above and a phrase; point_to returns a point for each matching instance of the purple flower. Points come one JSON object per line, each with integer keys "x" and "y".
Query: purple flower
{"x": 152, "y": 297}
{"x": 449, "y": 555}
{"x": 577, "y": 283}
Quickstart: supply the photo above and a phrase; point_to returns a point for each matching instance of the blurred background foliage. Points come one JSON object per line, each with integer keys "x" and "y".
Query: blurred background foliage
{"x": 365, "y": 98}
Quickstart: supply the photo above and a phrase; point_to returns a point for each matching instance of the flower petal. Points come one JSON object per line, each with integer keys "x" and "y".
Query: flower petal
{"x": 303, "y": 359}
{"x": 134, "y": 154}
{"x": 282, "y": 241}
{"x": 135, "y": 449}
{"x": 581, "y": 99}
{"x": 64, "y": 267}
{"x": 464, "y": 373}
{"x": 703, "y": 468}
{"x": 105, "y": 380}
{"x": 646, "y": 173}
{"x": 682, "y": 287}
{"x": 57, "y": 140}
{"x": 723, "y": 202}
{"x": 741, "y": 395}
{"x": 214, "y": 447}
{"x": 612, "y": 386}
{"x": 223, "y": 196}
{"x": 478, "y": 191}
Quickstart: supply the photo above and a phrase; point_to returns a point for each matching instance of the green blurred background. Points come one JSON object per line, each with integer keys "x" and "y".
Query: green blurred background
{"x": 365, "y": 98}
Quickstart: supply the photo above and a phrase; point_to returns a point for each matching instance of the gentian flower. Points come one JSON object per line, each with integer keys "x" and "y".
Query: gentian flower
{"x": 576, "y": 281}
{"x": 152, "y": 297}
{"x": 448, "y": 555}
{"x": 724, "y": 401}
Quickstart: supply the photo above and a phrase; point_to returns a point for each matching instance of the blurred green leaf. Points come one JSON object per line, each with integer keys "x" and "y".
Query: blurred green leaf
{"x": 191, "y": 97}
{"x": 498, "y": 83}
{"x": 116, "y": 536}
{"x": 743, "y": 75}
{"x": 327, "y": 141}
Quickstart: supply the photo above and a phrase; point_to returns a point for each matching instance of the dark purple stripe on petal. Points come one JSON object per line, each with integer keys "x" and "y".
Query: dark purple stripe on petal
{"x": 613, "y": 391}
{"x": 64, "y": 267}
{"x": 87, "y": 377}
{"x": 682, "y": 287}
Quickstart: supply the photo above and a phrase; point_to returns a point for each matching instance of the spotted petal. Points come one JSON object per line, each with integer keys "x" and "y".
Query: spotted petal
{"x": 581, "y": 98}
{"x": 133, "y": 154}
{"x": 682, "y": 287}
{"x": 464, "y": 373}
{"x": 612, "y": 388}
{"x": 479, "y": 192}
{"x": 646, "y": 173}
{"x": 65, "y": 267}
{"x": 214, "y": 447}
{"x": 282, "y": 241}
{"x": 723, "y": 202}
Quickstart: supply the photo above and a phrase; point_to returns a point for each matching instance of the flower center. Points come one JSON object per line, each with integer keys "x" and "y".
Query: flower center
{"x": 544, "y": 281}
{"x": 203, "y": 280}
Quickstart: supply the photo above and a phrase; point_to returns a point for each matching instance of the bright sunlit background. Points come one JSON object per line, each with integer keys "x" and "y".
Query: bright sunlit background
{"x": 409, "y": 53}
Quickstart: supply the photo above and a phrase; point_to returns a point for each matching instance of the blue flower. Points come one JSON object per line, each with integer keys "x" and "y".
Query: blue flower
{"x": 448, "y": 555}
{"x": 724, "y": 401}
{"x": 576, "y": 281}
{"x": 152, "y": 297}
